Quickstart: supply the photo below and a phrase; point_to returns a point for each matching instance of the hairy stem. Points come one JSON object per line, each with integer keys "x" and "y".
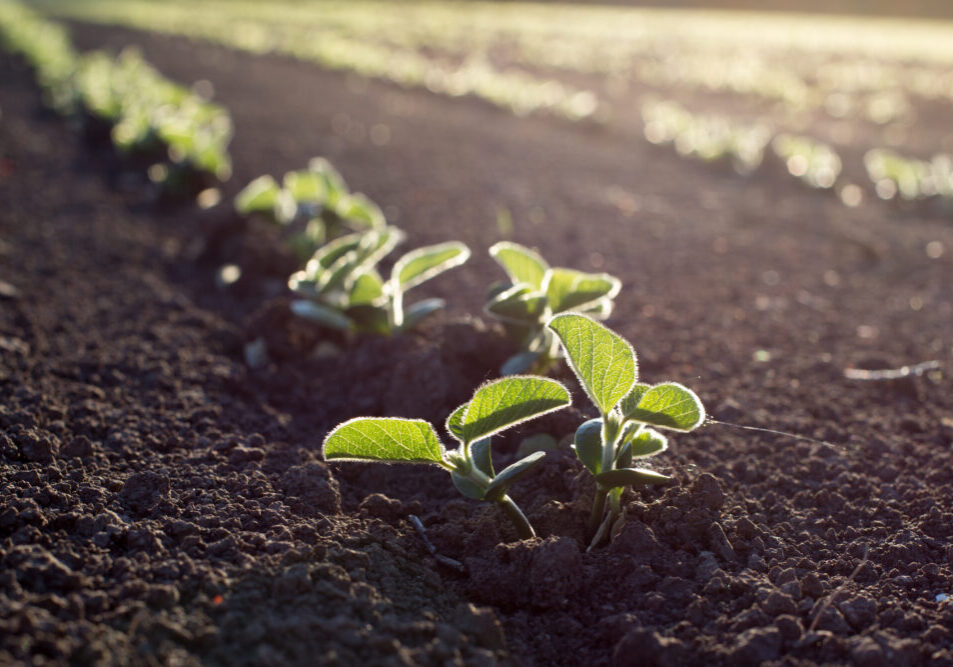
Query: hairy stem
{"x": 515, "y": 514}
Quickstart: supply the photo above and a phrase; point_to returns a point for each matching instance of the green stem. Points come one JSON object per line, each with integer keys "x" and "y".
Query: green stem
{"x": 613, "y": 510}
{"x": 396, "y": 306}
{"x": 515, "y": 514}
{"x": 598, "y": 509}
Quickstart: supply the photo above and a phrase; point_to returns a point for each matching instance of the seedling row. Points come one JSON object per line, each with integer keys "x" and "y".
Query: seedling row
{"x": 344, "y": 241}
{"x": 180, "y": 137}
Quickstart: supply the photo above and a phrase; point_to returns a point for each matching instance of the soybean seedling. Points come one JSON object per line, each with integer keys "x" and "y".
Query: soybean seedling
{"x": 607, "y": 369}
{"x": 495, "y": 406}
{"x": 535, "y": 292}
{"x": 316, "y": 200}
{"x": 343, "y": 289}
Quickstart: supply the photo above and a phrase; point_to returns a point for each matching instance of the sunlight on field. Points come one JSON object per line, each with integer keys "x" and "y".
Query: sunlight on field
{"x": 720, "y": 86}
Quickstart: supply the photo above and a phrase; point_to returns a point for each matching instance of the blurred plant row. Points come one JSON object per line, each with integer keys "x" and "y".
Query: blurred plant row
{"x": 746, "y": 148}
{"x": 178, "y": 134}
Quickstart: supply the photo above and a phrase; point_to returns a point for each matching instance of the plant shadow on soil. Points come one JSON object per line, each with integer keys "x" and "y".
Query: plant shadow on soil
{"x": 161, "y": 502}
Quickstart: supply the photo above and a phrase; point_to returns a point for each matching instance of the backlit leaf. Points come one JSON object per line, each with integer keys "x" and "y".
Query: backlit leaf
{"x": 519, "y": 304}
{"x": 648, "y": 442}
{"x": 668, "y": 405}
{"x": 424, "y": 263}
{"x": 521, "y": 264}
{"x": 384, "y": 439}
{"x": 604, "y": 363}
{"x": 568, "y": 289}
{"x": 367, "y": 289}
{"x": 305, "y": 185}
{"x": 259, "y": 195}
{"x": 503, "y": 403}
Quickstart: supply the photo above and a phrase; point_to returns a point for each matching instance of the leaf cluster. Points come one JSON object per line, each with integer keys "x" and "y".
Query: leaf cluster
{"x": 314, "y": 203}
{"x": 630, "y": 412}
{"x": 534, "y": 293}
{"x": 147, "y": 115}
{"x": 342, "y": 286}
{"x": 494, "y": 407}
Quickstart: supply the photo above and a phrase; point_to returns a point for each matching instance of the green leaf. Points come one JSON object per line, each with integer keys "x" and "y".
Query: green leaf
{"x": 629, "y": 477}
{"x": 357, "y": 208}
{"x": 604, "y": 363}
{"x": 587, "y": 444}
{"x": 367, "y": 289}
{"x": 568, "y": 289}
{"x": 305, "y": 185}
{"x": 384, "y": 439}
{"x": 631, "y": 400}
{"x": 424, "y": 263}
{"x": 648, "y": 442}
{"x": 322, "y": 315}
{"x": 521, "y": 264}
{"x": 519, "y": 304}
{"x": 521, "y": 362}
{"x": 454, "y": 424}
{"x": 668, "y": 405}
{"x": 259, "y": 195}
{"x": 503, "y": 403}
{"x": 510, "y": 474}
{"x": 330, "y": 252}
{"x": 334, "y": 184}
{"x": 376, "y": 244}
{"x": 419, "y": 311}
{"x": 482, "y": 456}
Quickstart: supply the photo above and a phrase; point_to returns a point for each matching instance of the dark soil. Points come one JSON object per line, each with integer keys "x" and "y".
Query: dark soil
{"x": 163, "y": 503}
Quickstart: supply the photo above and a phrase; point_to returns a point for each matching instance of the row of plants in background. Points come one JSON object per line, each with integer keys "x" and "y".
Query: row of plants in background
{"x": 707, "y": 138}
{"x": 343, "y": 239}
{"x": 911, "y": 179}
{"x": 180, "y": 136}
{"x": 625, "y": 431}
{"x": 714, "y": 139}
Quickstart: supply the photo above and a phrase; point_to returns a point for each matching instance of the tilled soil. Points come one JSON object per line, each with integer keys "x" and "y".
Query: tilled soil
{"x": 161, "y": 502}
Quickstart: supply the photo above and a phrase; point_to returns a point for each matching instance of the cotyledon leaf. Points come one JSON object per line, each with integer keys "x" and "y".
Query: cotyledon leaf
{"x": 604, "y": 363}
{"x": 502, "y": 403}
{"x": 384, "y": 439}
{"x": 668, "y": 405}
{"x": 630, "y": 476}
{"x": 511, "y": 474}
{"x": 521, "y": 264}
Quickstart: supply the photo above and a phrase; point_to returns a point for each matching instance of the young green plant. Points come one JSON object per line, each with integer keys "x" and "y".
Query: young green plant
{"x": 607, "y": 369}
{"x": 315, "y": 203}
{"x": 495, "y": 406}
{"x": 535, "y": 292}
{"x": 343, "y": 289}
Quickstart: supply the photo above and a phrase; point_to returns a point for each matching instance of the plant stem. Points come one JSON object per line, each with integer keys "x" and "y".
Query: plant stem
{"x": 515, "y": 514}
{"x": 598, "y": 509}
